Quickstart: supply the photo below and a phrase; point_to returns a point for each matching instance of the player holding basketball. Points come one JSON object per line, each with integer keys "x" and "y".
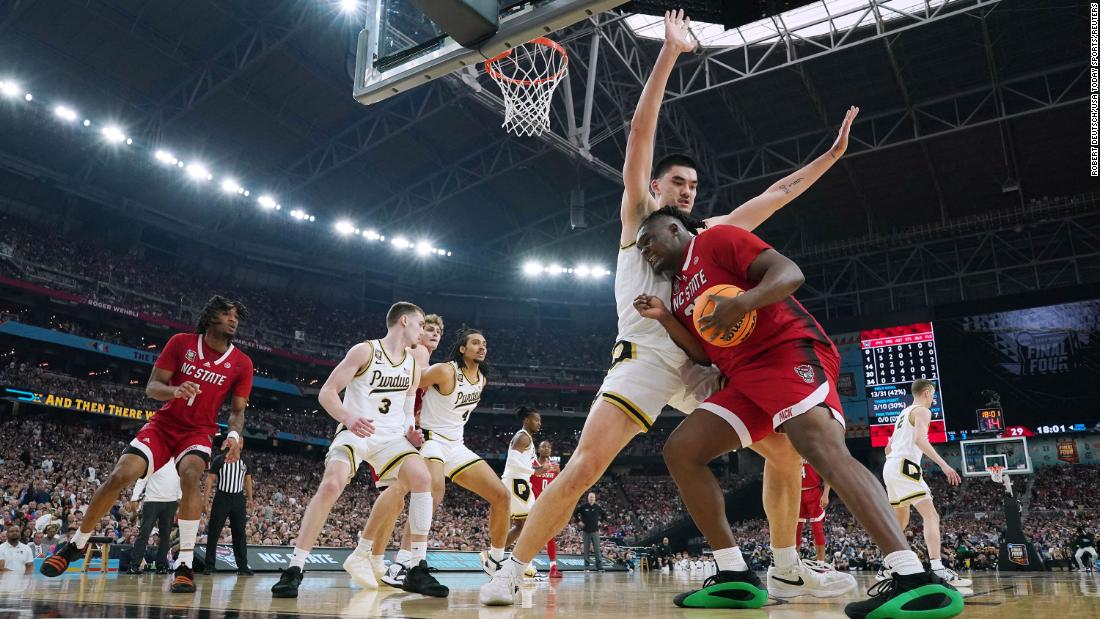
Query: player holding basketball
{"x": 782, "y": 378}
{"x": 648, "y": 370}
{"x": 546, "y": 469}
{"x": 366, "y": 564}
{"x": 376, "y": 425}
{"x": 518, "y": 469}
{"x": 904, "y": 476}
{"x": 193, "y": 375}
{"x": 815, "y": 497}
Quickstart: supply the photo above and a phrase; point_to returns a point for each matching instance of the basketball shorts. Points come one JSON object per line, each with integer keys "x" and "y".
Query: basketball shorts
{"x": 384, "y": 452}
{"x": 810, "y": 508}
{"x": 158, "y": 443}
{"x": 776, "y": 387}
{"x": 905, "y": 483}
{"x": 455, "y": 455}
{"x": 642, "y": 381}
{"x": 522, "y": 496}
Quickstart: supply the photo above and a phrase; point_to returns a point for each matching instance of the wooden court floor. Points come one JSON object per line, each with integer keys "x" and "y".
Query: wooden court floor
{"x": 577, "y": 596}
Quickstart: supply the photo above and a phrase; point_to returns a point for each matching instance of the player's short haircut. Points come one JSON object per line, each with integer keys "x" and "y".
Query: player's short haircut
{"x": 669, "y": 161}
{"x": 523, "y": 412}
{"x": 434, "y": 319}
{"x": 692, "y": 224}
{"x": 216, "y": 306}
{"x": 399, "y": 309}
{"x": 921, "y": 386}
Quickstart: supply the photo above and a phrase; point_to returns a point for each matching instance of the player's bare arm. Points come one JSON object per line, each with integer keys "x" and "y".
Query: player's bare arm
{"x": 234, "y": 442}
{"x": 415, "y": 436}
{"x": 520, "y": 441}
{"x": 638, "y": 166}
{"x": 775, "y": 276}
{"x": 441, "y": 376}
{"x": 825, "y": 496}
{"x": 158, "y": 388}
{"x": 757, "y": 210}
{"x": 922, "y": 417}
{"x": 654, "y": 308}
{"x": 341, "y": 376}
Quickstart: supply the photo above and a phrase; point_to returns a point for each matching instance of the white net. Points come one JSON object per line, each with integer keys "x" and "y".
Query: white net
{"x": 528, "y": 76}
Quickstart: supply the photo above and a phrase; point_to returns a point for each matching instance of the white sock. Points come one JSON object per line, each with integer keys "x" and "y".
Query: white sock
{"x": 496, "y": 554}
{"x": 378, "y": 562}
{"x": 730, "y": 560}
{"x": 404, "y": 557}
{"x": 419, "y": 552}
{"x": 937, "y": 564}
{"x": 785, "y": 558}
{"x": 298, "y": 559}
{"x": 364, "y": 547}
{"x": 80, "y": 539}
{"x": 903, "y": 563}
{"x": 189, "y": 530}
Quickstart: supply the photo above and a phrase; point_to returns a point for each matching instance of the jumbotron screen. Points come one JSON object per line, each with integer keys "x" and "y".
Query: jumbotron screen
{"x": 892, "y": 359}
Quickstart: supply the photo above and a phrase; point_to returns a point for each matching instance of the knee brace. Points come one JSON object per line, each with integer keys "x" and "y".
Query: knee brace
{"x": 420, "y": 513}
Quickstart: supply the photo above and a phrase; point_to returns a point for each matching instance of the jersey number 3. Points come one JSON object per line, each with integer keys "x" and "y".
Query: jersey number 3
{"x": 385, "y": 407}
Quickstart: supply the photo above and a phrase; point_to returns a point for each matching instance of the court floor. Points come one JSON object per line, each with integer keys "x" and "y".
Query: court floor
{"x": 577, "y": 596}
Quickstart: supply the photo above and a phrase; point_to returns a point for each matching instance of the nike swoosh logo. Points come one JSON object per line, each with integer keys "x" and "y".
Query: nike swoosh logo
{"x": 797, "y": 583}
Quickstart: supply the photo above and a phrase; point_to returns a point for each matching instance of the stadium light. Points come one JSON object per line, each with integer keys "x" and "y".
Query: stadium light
{"x": 344, "y": 227}
{"x": 555, "y": 269}
{"x": 531, "y": 268}
{"x": 267, "y": 202}
{"x": 401, "y": 242}
{"x": 199, "y": 172}
{"x": 166, "y": 157}
{"x": 87, "y": 123}
{"x": 371, "y": 234}
{"x": 65, "y": 113}
{"x": 349, "y": 7}
{"x": 423, "y": 248}
{"x": 10, "y": 90}
{"x": 229, "y": 185}
{"x": 114, "y": 134}
{"x": 28, "y": 97}
{"x": 583, "y": 271}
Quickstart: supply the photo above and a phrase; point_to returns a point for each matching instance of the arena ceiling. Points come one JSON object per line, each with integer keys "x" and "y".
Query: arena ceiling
{"x": 977, "y": 106}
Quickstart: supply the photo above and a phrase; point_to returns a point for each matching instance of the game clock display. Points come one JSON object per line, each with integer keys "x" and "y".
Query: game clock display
{"x": 990, "y": 419}
{"x": 892, "y": 359}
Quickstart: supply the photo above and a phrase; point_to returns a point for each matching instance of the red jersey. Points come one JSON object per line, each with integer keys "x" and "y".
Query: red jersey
{"x": 539, "y": 482}
{"x": 722, "y": 255}
{"x": 810, "y": 479}
{"x": 218, "y": 375}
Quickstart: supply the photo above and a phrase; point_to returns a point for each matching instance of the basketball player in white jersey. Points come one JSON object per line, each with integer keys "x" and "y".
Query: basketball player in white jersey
{"x": 366, "y": 564}
{"x": 648, "y": 370}
{"x": 376, "y": 425}
{"x": 904, "y": 477}
{"x": 518, "y": 469}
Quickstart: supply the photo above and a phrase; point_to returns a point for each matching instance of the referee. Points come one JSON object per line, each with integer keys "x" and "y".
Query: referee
{"x": 231, "y": 500}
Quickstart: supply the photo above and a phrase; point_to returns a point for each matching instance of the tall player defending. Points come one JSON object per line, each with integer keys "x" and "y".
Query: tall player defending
{"x": 518, "y": 469}
{"x": 546, "y": 469}
{"x": 376, "y": 425}
{"x": 193, "y": 375}
{"x": 782, "y": 378}
{"x": 904, "y": 477}
{"x": 366, "y": 564}
{"x": 815, "y": 497}
{"x": 648, "y": 370}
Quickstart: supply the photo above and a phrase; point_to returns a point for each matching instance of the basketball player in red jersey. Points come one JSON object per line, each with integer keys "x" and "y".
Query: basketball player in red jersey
{"x": 193, "y": 375}
{"x": 815, "y": 496}
{"x": 782, "y": 378}
{"x": 546, "y": 469}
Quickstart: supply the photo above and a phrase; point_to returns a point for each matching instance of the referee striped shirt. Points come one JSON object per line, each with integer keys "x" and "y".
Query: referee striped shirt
{"x": 230, "y": 474}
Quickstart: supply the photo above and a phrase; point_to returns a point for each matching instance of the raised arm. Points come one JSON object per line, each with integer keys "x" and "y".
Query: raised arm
{"x": 652, "y": 307}
{"x": 757, "y": 210}
{"x": 921, "y": 418}
{"x": 638, "y": 166}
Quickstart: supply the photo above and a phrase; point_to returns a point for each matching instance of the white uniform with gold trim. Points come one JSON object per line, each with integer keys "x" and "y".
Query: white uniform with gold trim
{"x": 648, "y": 370}
{"x": 902, "y": 472}
{"x": 517, "y": 478}
{"x": 378, "y": 391}
{"x": 443, "y": 419}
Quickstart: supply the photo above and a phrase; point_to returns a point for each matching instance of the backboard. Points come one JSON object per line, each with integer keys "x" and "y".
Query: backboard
{"x": 400, "y": 48}
{"x": 1011, "y": 453}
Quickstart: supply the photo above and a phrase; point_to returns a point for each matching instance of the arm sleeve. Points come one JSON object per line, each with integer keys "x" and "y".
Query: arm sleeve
{"x": 169, "y": 358}
{"x": 732, "y": 248}
{"x": 243, "y": 387}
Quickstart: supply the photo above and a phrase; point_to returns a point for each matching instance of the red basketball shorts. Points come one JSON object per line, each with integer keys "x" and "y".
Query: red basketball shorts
{"x": 160, "y": 443}
{"x": 810, "y": 508}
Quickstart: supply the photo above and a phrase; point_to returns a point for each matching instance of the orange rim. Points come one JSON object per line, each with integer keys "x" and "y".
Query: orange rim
{"x": 554, "y": 45}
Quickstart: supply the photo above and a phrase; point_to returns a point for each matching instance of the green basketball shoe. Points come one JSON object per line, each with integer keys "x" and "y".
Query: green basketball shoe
{"x": 726, "y": 590}
{"x": 916, "y": 596}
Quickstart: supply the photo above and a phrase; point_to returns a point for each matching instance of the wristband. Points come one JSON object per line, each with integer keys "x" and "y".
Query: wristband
{"x": 233, "y": 434}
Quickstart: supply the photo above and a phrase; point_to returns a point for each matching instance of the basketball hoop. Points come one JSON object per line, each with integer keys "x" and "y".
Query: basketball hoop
{"x": 996, "y": 472}
{"x": 528, "y": 76}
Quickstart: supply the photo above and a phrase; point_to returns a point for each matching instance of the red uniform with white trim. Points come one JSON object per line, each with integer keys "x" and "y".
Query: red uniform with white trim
{"x": 182, "y": 426}
{"x": 538, "y": 485}
{"x": 812, "y": 489}
{"x": 784, "y": 368}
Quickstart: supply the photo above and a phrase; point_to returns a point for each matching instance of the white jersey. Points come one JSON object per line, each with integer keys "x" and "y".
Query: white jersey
{"x": 380, "y": 388}
{"x": 633, "y": 276}
{"x": 521, "y": 466}
{"x": 446, "y": 414}
{"x": 903, "y": 442}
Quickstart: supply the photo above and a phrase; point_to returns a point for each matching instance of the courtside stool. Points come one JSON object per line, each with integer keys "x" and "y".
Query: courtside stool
{"x": 100, "y": 544}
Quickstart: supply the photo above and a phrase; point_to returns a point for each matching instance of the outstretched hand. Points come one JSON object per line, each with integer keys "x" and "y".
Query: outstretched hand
{"x": 678, "y": 36}
{"x": 840, "y": 146}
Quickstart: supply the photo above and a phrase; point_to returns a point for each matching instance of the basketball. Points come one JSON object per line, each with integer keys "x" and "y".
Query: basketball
{"x": 738, "y": 333}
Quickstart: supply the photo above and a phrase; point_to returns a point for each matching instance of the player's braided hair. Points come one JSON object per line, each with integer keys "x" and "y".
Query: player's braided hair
{"x": 692, "y": 224}
{"x": 460, "y": 341}
{"x": 218, "y": 305}
{"x": 523, "y": 412}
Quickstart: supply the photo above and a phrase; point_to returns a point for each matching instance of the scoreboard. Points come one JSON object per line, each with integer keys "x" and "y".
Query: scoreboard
{"x": 892, "y": 359}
